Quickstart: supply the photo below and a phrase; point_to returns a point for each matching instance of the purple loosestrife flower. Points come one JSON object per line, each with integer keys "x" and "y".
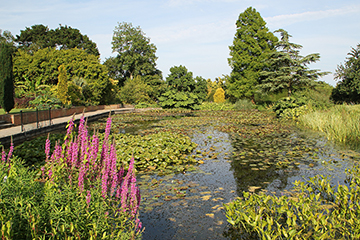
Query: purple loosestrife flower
{"x": 88, "y": 197}
{"x": 104, "y": 179}
{"x": 138, "y": 224}
{"x": 120, "y": 179}
{"x": 75, "y": 153}
{"x": 47, "y": 148}
{"x": 10, "y": 151}
{"x": 81, "y": 178}
{"x": 3, "y": 155}
{"x": 133, "y": 199}
{"x": 124, "y": 193}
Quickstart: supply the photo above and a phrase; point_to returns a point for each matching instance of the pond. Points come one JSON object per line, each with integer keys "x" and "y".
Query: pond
{"x": 235, "y": 152}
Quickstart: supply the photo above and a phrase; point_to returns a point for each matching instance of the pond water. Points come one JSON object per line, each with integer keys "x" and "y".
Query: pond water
{"x": 189, "y": 205}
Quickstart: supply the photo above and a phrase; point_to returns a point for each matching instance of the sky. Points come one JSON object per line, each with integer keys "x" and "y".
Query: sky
{"x": 197, "y": 33}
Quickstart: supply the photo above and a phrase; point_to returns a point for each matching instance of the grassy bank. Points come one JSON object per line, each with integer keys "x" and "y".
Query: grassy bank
{"x": 340, "y": 123}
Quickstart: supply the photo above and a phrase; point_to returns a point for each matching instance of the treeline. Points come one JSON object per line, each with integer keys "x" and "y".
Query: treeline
{"x": 262, "y": 65}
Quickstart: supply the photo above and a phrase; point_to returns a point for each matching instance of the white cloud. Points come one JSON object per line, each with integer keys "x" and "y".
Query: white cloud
{"x": 288, "y": 19}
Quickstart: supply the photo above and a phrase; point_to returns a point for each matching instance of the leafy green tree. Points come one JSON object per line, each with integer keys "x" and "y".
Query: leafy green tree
{"x": 252, "y": 44}
{"x": 201, "y": 88}
{"x": 348, "y": 89}
{"x": 6, "y": 37}
{"x": 63, "y": 38}
{"x": 62, "y": 86}
{"x": 180, "y": 84}
{"x": 6, "y": 77}
{"x": 135, "y": 91}
{"x": 180, "y": 79}
{"x": 44, "y": 63}
{"x": 287, "y": 69}
{"x": 135, "y": 54}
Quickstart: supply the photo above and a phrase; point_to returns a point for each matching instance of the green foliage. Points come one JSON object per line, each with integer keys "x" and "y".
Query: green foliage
{"x": 252, "y": 44}
{"x": 62, "y": 88}
{"x": 219, "y": 95}
{"x": 318, "y": 97}
{"x": 135, "y": 54}
{"x": 201, "y": 88}
{"x": 6, "y": 77}
{"x": 45, "y": 101}
{"x": 339, "y": 123}
{"x": 243, "y": 104}
{"x": 287, "y": 69}
{"x": 44, "y": 63}
{"x": 175, "y": 99}
{"x": 6, "y": 37}
{"x": 289, "y": 107}
{"x": 180, "y": 79}
{"x": 64, "y": 38}
{"x": 212, "y": 106}
{"x": 32, "y": 152}
{"x": 181, "y": 85}
{"x": 348, "y": 89}
{"x": 160, "y": 151}
{"x": 135, "y": 91}
{"x": 313, "y": 210}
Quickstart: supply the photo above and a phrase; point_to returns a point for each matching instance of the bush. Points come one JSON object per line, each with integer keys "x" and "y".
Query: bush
{"x": 243, "y": 104}
{"x": 289, "y": 107}
{"x": 312, "y": 210}
{"x": 219, "y": 96}
{"x": 216, "y": 106}
{"x": 175, "y": 99}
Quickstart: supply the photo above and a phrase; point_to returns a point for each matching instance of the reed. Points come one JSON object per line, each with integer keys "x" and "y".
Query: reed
{"x": 340, "y": 123}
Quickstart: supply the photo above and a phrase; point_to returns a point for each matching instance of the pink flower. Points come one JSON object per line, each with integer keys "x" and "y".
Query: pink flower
{"x": 10, "y": 151}
{"x": 47, "y": 148}
{"x": 88, "y": 197}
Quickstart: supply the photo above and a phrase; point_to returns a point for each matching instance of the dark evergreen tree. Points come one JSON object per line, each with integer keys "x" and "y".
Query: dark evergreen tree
{"x": 6, "y": 77}
{"x": 348, "y": 89}
{"x": 287, "y": 69}
{"x": 252, "y": 44}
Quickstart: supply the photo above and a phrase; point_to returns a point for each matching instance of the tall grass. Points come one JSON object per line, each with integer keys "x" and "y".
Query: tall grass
{"x": 340, "y": 123}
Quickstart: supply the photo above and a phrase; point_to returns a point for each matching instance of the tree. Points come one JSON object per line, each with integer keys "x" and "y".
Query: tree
{"x": 252, "y": 44}
{"x": 135, "y": 91}
{"x": 136, "y": 55}
{"x": 6, "y": 77}
{"x": 219, "y": 96}
{"x": 62, "y": 38}
{"x": 287, "y": 69}
{"x": 180, "y": 84}
{"x": 62, "y": 86}
{"x": 348, "y": 89}
{"x": 6, "y": 37}
{"x": 201, "y": 88}
{"x": 44, "y": 63}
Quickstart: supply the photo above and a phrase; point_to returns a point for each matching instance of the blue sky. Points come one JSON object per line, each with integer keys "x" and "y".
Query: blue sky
{"x": 197, "y": 33}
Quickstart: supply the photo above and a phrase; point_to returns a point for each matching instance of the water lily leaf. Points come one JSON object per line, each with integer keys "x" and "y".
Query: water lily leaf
{"x": 210, "y": 215}
{"x": 206, "y": 197}
{"x": 253, "y": 188}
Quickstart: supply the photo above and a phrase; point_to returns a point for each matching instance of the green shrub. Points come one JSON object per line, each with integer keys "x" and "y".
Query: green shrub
{"x": 243, "y": 104}
{"x": 176, "y": 99}
{"x": 216, "y": 106}
{"x": 312, "y": 210}
{"x": 289, "y": 107}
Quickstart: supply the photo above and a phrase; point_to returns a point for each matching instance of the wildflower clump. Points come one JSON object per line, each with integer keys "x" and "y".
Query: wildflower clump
{"x": 80, "y": 193}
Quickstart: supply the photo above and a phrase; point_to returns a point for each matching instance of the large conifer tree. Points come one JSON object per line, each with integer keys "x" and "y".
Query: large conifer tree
{"x": 287, "y": 69}
{"x": 6, "y": 78}
{"x": 253, "y": 42}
